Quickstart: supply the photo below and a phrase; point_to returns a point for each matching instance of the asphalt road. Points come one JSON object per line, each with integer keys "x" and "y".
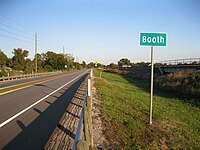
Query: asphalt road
{"x": 31, "y": 108}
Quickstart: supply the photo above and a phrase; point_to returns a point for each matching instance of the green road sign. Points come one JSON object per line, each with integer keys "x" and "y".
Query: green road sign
{"x": 153, "y": 39}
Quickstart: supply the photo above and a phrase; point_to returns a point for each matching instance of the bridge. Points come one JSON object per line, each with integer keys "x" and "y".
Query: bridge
{"x": 179, "y": 65}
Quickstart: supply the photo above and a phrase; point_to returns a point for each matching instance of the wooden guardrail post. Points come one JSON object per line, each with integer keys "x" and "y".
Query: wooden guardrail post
{"x": 86, "y": 125}
{"x": 82, "y": 145}
{"x": 89, "y": 102}
{"x": 89, "y": 106}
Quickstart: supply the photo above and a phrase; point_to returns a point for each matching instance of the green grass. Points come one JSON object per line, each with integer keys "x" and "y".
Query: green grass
{"x": 125, "y": 109}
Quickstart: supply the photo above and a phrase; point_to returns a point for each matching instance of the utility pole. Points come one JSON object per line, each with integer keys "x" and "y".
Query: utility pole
{"x": 63, "y": 50}
{"x": 35, "y": 52}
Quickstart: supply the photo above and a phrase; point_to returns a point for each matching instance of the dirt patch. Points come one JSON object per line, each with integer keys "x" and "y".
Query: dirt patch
{"x": 99, "y": 140}
{"x": 157, "y": 135}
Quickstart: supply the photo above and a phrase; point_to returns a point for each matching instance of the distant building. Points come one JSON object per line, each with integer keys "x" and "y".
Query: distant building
{"x": 126, "y": 66}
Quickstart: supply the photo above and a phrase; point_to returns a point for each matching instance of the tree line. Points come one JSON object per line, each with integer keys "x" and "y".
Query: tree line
{"x": 125, "y": 62}
{"x": 46, "y": 62}
{"x": 50, "y": 61}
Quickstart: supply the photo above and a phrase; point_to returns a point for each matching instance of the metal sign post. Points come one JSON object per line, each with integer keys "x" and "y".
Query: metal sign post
{"x": 152, "y": 39}
{"x": 151, "y": 95}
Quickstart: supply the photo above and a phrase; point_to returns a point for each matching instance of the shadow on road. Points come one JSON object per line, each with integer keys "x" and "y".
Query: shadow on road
{"x": 35, "y": 135}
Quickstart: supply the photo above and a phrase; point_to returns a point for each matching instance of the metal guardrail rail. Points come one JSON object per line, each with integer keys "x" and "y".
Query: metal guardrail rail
{"x": 74, "y": 131}
{"x": 83, "y": 138}
{"x": 188, "y": 61}
{"x": 79, "y": 133}
{"x": 26, "y": 76}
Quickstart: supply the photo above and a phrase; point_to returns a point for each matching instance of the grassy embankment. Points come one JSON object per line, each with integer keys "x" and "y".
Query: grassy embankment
{"x": 125, "y": 109}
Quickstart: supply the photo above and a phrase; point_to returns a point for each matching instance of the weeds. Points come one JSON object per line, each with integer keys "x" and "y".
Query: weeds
{"x": 186, "y": 86}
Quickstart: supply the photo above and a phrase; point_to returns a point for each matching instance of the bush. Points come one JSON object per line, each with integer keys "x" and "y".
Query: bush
{"x": 184, "y": 85}
{"x": 48, "y": 68}
{"x": 3, "y": 74}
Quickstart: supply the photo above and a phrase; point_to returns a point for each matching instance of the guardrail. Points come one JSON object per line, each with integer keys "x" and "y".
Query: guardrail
{"x": 26, "y": 76}
{"x": 188, "y": 61}
{"x": 83, "y": 138}
{"x": 74, "y": 130}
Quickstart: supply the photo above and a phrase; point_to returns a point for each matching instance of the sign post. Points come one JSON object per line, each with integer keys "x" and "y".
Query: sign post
{"x": 151, "y": 95}
{"x": 152, "y": 39}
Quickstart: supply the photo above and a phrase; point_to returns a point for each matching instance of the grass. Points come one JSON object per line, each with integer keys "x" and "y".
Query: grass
{"x": 125, "y": 109}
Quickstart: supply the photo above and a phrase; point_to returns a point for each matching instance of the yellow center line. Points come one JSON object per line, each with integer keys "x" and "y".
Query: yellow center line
{"x": 23, "y": 87}
{"x": 11, "y": 86}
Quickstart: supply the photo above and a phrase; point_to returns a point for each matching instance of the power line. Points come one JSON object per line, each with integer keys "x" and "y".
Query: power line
{"x": 15, "y": 34}
{"x": 16, "y": 29}
{"x": 41, "y": 42}
{"x": 11, "y": 20}
{"x": 47, "y": 45}
{"x": 16, "y": 38}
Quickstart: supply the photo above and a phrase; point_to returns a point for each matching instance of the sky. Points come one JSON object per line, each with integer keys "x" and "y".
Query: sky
{"x": 101, "y": 30}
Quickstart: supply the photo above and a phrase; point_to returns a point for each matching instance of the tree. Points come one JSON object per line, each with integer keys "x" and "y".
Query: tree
{"x": 50, "y": 59}
{"x": 84, "y": 64}
{"x": 18, "y": 60}
{"x": 99, "y": 65}
{"x": 3, "y": 59}
{"x": 144, "y": 63}
{"x": 90, "y": 65}
{"x": 112, "y": 65}
{"x": 124, "y": 61}
{"x": 28, "y": 66}
{"x": 48, "y": 68}
{"x": 61, "y": 62}
{"x": 69, "y": 61}
{"x": 77, "y": 65}
{"x": 58, "y": 61}
{"x": 40, "y": 62}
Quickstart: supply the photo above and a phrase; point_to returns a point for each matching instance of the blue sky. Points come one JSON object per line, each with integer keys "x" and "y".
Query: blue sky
{"x": 102, "y": 30}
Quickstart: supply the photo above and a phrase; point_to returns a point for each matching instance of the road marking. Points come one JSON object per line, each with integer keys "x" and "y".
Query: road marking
{"x": 11, "y": 86}
{"x": 32, "y": 105}
{"x": 23, "y": 87}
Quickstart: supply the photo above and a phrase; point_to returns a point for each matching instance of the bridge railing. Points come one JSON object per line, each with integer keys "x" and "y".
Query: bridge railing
{"x": 188, "y": 61}
{"x": 26, "y": 76}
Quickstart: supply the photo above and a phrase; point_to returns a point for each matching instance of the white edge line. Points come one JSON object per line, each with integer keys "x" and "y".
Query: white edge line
{"x": 24, "y": 110}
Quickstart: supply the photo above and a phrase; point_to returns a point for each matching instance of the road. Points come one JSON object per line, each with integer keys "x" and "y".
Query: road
{"x": 31, "y": 108}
